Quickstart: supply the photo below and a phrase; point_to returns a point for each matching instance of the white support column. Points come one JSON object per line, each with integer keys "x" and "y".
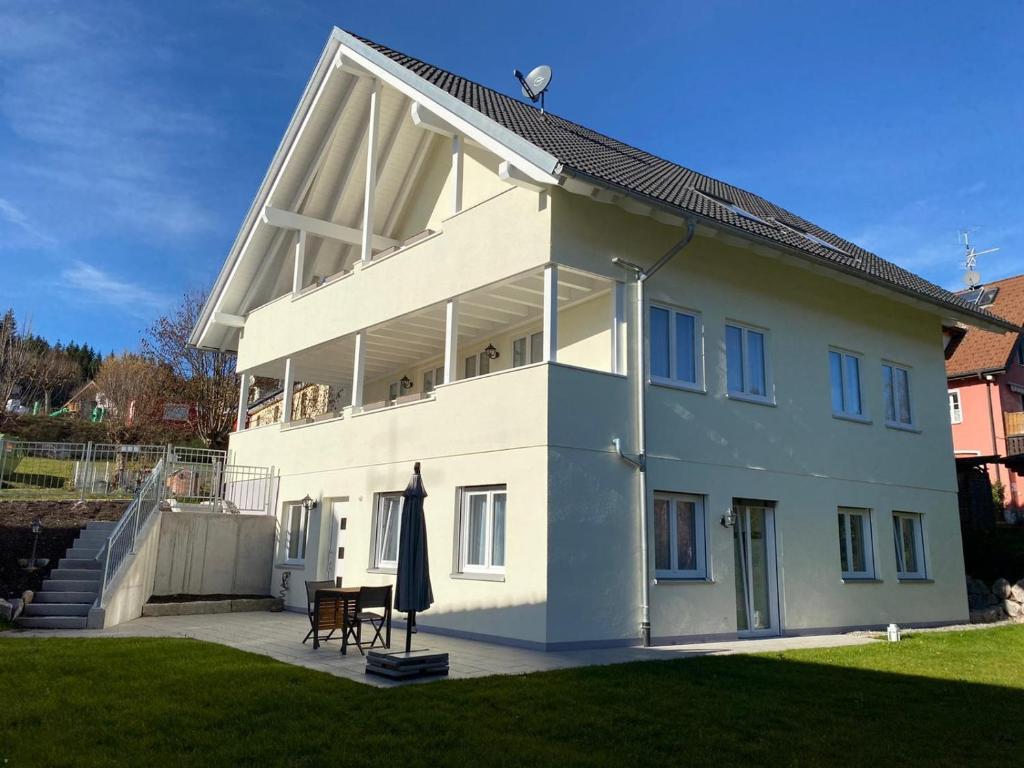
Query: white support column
{"x": 244, "y": 384}
{"x": 457, "y": 158}
{"x": 619, "y": 328}
{"x": 372, "y": 134}
{"x": 551, "y": 314}
{"x": 451, "y": 341}
{"x": 359, "y": 371}
{"x": 288, "y": 392}
{"x": 300, "y": 262}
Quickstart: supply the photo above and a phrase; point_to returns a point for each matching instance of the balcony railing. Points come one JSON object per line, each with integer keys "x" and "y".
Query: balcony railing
{"x": 1015, "y": 445}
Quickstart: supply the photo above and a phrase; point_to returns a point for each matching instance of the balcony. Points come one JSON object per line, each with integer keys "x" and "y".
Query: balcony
{"x": 1014, "y": 421}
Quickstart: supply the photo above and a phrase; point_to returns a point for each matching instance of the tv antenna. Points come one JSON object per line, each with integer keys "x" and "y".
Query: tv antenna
{"x": 972, "y": 278}
{"x": 535, "y": 84}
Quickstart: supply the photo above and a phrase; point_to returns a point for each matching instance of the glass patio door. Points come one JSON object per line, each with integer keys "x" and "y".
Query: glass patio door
{"x": 756, "y": 574}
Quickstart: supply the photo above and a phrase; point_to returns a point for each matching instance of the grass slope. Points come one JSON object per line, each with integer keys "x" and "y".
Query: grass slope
{"x": 936, "y": 700}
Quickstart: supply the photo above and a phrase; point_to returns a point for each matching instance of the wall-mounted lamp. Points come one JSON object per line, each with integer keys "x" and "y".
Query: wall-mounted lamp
{"x": 492, "y": 352}
{"x": 406, "y": 382}
{"x": 729, "y": 519}
{"x": 308, "y": 504}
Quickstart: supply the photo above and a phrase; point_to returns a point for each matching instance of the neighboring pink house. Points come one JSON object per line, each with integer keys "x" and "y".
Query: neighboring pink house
{"x": 985, "y": 374}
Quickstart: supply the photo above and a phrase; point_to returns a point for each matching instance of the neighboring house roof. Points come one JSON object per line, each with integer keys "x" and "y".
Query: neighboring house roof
{"x": 983, "y": 351}
{"x": 585, "y": 152}
{"x": 91, "y": 384}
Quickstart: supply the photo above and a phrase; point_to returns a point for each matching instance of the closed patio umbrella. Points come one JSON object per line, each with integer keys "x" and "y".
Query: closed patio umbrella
{"x": 412, "y": 589}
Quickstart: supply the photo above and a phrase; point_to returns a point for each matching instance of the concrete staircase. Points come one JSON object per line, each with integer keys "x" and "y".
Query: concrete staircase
{"x": 72, "y": 587}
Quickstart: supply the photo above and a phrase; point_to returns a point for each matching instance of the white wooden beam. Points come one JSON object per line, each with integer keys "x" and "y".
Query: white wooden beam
{"x": 423, "y": 118}
{"x": 328, "y": 229}
{"x": 456, "y": 176}
{"x": 408, "y": 182}
{"x": 451, "y": 341}
{"x": 300, "y": 262}
{"x": 231, "y": 321}
{"x": 550, "y": 314}
{"x": 345, "y": 64}
{"x": 288, "y": 391}
{"x": 372, "y": 137}
{"x": 359, "y": 370}
{"x": 244, "y": 383}
{"x": 509, "y": 173}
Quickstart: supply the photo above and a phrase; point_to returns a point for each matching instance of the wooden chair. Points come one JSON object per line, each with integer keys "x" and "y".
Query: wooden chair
{"x": 311, "y": 588}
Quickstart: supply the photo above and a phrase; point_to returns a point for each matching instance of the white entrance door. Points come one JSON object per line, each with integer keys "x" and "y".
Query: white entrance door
{"x": 757, "y": 587}
{"x": 339, "y": 523}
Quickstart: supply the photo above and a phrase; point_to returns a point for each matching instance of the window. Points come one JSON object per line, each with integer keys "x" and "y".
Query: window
{"x": 387, "y": 525}
{"x": 844, "y": 368}
{"x": 528, "y": 349}
{"x": 482, "y": 530}
{"x": 746, "y": 363}
{"x": 432, "y": 379}
{"x": 1020, "y": 351}
{"x": 470, "y": 370}
{"x": 855, "y": 551}
{"x": 394, "y": 390}
{"x": 909, "y": 541}
{"x": 296, "y": 545}
{"x": 477, "y": 365}
{"x": 896, "y": 384}
{"x": 956, "y": 413}
{"x": 675, "y": 347}
{"x": 679, "y": 543}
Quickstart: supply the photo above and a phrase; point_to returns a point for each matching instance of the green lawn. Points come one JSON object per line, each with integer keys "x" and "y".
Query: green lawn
{"x": 937, "y": 700}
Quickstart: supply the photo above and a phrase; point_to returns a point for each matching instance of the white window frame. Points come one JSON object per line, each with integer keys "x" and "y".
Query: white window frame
{"x": 897, "y": 531}
{"x": 956, "y": 411}
{"x": 769, "y": 389}
{"x": 846, "y": 543}
{"x": 845, "y": 412}
{"x": 436, "y": 378}
{"x": 377, "y": 560}
{"x": 467, "y": 494}
{"x": 292, "y": 508}
{"x": 528, "y": 349}
{"x": 895, "y": 424}
{"x": 698, "y": 349}
{"x": 700, "y": 573}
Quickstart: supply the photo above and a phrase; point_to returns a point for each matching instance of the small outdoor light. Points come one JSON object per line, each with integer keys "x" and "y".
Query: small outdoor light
{"x": 729, "y": 519}
{"x": 406, "y": 382}
{"x": 308, "y": 504}
{"x": 492, "y": 352}
{"x": 34, "y": 563}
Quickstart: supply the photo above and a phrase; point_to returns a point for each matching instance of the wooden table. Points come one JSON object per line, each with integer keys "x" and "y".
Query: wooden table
{"x": 333, "y": 609}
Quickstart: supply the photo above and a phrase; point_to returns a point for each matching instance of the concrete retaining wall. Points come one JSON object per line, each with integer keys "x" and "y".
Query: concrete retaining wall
{"x": 133, "y": 585}
{"x": 204, "y": 553}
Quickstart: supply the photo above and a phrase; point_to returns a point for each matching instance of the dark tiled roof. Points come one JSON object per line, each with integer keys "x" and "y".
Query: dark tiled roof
{"x": 612, "y": 162}
{"x": 984, "y": 351}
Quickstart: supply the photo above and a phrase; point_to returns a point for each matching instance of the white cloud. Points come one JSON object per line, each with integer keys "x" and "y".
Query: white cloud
{"x": 90, "y": 285}
{"x": 19, "y": 221}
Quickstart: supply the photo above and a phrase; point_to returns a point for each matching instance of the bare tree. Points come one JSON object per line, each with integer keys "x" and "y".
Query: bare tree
{"x": 15, "y": 360}
{"x": 136, "y": 387}
{"x": 50, "y": 370}
{"x": 207, "y": 376}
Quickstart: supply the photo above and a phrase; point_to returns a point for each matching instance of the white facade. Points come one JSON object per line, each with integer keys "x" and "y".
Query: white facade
{"x": 527, "y": 270}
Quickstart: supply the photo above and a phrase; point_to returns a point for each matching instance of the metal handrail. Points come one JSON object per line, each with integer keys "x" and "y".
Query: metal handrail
{"x": 120, "y": 544}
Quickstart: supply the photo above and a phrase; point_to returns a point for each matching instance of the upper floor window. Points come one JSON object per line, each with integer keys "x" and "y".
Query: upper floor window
{"x": 477, "y": 365}
{"x": 482, "y": 530}
{"x": 896, "y": 385}
{"x": 387, "y": 523}
{"x": 298, "y": 518}
{"x": 432, "y": 378}
{"x": 855, "y": 551}
{"x": 675, "y": 347}
{"x": 1020, "y": 351}
{"x": 956, "y": 414}
{"x": 844, "y": 369}
{"x": 908, "y": 537}
{"x": 528, "y": 349}
{"x": 746, "y": 362}
{"x": 680, "y": 550}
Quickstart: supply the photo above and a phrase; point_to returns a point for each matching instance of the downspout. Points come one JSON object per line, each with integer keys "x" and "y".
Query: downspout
{"x": 992, "y": 426}
{"x": 640, "y": 461}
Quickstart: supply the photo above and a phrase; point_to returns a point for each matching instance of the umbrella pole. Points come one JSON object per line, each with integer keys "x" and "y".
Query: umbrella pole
{"x": 409, "y": 620}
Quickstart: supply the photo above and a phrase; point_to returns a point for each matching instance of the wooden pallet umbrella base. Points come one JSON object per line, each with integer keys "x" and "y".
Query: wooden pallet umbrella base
{"x": 402, "y": 665}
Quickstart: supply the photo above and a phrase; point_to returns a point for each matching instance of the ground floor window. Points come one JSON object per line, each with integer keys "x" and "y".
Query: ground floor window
{"x": 482, "y": 530}
{"x": 297, "y": 520}
{"x": 908, "y": 538}
{"x": 680, "y": 550}
{"x": 855, "y": 555}
{"x": 387, "y": 524}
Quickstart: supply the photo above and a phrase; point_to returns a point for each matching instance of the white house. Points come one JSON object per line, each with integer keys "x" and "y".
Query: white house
{"x": 471, "y": 278}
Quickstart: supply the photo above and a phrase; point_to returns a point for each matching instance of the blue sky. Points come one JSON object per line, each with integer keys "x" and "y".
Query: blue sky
{"x": 133, "y": 136}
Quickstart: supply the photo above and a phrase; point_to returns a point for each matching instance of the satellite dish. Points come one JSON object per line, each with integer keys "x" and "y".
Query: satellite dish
{"x": 535, "y": 84}
{"x": 972, "y": 279}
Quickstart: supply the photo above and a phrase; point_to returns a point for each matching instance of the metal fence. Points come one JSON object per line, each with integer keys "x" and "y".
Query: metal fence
{"x": 43, "y": 470}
